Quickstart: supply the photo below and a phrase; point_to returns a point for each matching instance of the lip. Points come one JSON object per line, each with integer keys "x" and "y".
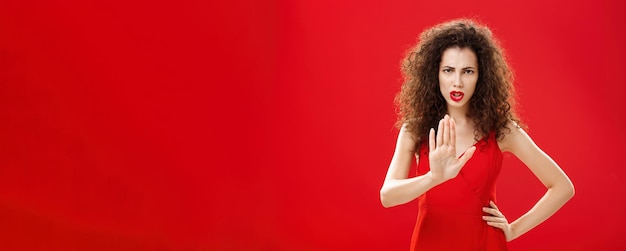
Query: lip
{"x": 458, "y": 97}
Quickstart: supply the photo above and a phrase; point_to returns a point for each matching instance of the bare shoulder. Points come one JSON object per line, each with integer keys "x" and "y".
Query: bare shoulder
{"x": 406, "y": 141}
{"x": 514, "y": 138}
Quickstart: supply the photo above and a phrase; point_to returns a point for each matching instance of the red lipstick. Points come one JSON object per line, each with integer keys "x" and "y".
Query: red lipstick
{"x": 456, "y": 96}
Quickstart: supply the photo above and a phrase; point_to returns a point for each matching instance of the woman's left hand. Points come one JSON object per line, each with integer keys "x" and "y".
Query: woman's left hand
{"x": 498, "y": 220}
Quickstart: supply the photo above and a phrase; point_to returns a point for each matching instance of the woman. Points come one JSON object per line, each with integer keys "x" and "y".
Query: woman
{"x": 456, "y": 117}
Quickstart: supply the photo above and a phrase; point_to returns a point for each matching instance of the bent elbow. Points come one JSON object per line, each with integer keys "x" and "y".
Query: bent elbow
{"x": 565, "y": 190}
{"x": 570, "y": 191}
{"x": 384, "y": 198}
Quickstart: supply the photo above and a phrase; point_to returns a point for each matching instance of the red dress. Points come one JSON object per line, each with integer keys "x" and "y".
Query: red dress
{"x": 450, "y": 214}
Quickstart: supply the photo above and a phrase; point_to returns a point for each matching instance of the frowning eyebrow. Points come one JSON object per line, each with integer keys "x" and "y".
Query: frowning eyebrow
{"x": 464, "y": 68}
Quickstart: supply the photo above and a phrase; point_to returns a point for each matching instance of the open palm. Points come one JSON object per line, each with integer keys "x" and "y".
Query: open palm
{"x": 444, "y": 164}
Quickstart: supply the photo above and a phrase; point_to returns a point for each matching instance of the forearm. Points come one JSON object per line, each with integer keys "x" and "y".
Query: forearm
{"x": 400, "y": 191}
{"x": 552, "y": 200}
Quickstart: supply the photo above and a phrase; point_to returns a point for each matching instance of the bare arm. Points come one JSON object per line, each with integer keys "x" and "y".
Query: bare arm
{"x": 398, "y": 188}
{"x": 559, "y": 187}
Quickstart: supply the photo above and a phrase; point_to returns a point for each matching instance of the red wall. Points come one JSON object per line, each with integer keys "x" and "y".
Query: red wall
{"x": 259, "y": 125}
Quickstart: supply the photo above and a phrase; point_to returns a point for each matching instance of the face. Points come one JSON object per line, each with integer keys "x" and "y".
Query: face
{"x": 458, "y": 74}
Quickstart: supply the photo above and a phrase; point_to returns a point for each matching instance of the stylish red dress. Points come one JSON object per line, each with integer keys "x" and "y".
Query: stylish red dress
{"x": 450, "y": 214}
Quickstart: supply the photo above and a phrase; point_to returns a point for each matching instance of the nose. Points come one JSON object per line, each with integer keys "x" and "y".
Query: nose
{"x": 458, "y": 82}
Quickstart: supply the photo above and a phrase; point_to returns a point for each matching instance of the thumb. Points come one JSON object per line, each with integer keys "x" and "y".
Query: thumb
{"x": 467, "y": 155}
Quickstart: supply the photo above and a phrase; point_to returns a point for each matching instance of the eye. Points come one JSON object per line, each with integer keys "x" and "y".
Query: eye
{"x": 468, "y": 71}
{"x": 447, "y": 70}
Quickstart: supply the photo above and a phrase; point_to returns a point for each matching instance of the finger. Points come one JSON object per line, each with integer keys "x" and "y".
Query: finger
{"x": 446, "y": 130}
{"x": 491, "y": 211}
{"x": 494, "y": 219}
{"x": 440, "y": 133}
{"x": 467, "y": 155}
{"x": 453, "y": 133}
{"x": 431, "y": 139}
{"x": 493, "y": 205}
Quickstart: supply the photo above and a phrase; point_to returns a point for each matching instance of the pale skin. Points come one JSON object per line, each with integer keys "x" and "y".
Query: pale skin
{"x": 458, "y": 71}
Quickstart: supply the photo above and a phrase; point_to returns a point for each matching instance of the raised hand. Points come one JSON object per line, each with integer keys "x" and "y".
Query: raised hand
{"x": 444, "y": 164}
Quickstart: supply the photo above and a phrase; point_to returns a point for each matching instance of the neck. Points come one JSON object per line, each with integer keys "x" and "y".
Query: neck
{"x": 459, "y": 114}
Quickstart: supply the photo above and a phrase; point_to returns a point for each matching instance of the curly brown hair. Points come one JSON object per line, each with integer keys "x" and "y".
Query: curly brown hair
{"x": 421, "y": 104}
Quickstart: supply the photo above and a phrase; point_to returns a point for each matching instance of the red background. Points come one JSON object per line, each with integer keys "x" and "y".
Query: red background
{"x": 268, "y": 125}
